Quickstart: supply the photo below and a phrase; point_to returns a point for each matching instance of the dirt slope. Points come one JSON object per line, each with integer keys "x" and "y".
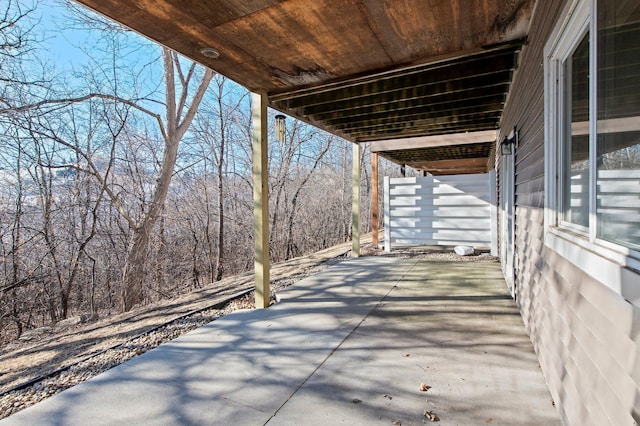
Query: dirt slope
{"x": 61, "y": 346}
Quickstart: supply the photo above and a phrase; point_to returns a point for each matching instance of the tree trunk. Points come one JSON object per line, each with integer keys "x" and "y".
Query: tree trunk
{"x": 134, "y": 271}
{"x": 133, "y": 275}
{"x": 219, "y": 262}
{"x": 290, "y": 245}
{"x": 16, "y": 242}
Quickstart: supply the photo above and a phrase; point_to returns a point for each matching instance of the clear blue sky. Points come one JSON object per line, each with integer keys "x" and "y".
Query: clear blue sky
{"x": 69, "y": 49}
{"x": 60, "y": 42}
{"x": 66, "y": 46}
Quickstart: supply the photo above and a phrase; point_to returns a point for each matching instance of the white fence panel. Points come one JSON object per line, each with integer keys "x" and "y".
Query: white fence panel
{"x": 440, "y": 210}
{"x": 618, "y": 206}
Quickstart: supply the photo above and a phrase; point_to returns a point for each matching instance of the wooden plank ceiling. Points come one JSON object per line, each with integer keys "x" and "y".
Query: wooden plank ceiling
{"x": 441, "y": 154}
{"x": 365, "y": 70}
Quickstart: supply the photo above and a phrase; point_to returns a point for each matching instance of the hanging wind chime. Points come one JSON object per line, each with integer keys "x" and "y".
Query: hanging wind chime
{"x": 280, "y": 128}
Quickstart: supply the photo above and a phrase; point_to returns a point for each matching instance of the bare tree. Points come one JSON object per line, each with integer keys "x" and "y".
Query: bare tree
{"x": 116, "y": 187}
{"x": 179, "y": 116}
{"x": 181, "y": 103}
{"x": 16, "y": 39}
{"x": 302, "y": 181}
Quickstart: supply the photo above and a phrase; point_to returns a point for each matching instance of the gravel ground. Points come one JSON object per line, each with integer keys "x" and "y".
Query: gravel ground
{"x": 16, "y": 400}
{"x": 435, "y": 253}
{"x": 20, "y": 399}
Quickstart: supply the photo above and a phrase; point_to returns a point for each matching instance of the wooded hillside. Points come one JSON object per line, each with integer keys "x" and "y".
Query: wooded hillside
{"x": 134, "y": 166}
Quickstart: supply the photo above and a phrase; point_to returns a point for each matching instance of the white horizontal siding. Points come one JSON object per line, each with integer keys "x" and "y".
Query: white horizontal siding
{"x": 474, "y": 188}
{"x": 436, "y": 223}
{"x": 461, "y": 201}
{"x": 442, "y": 210}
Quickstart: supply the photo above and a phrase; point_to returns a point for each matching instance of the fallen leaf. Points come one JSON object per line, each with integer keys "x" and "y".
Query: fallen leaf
{"x": 424, "y": 387}
{"x": 431, "y": 416}
{"x": 489, "y": 420}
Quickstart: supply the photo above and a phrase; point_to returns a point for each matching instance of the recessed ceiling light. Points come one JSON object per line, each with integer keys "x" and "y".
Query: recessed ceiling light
{"x": 209, "y": 52}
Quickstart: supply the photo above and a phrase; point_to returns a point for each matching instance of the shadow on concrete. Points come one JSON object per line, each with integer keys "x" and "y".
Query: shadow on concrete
{"x": 352, "y": 345}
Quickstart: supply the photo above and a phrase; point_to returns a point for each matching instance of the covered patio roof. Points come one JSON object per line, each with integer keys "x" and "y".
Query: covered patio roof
{"x": 365, "y": 70}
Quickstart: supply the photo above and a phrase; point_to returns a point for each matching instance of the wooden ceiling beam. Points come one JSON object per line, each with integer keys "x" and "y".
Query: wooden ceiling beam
{"x": 429, "y": 125}
{"x": 494, "y": 82}
{"x": 472, "y": 68}
{"x": 458, "y": 171}
{"x": 434, "y": 100}
{"x": 475, "y": 150}
{"x": 435, "y": 62}
{"x": 419, "y": 123}
{"x": 422, "y": 122}
{"x": 417, "y": 114}
{"x": 431, "y": 102}
{"x": 433, "y": 141}
{"x": 427, "y": 131}
{"x": 447, "y": 165}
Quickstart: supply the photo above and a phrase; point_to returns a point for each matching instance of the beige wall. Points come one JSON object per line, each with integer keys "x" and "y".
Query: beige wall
{"x": 586, "y": 336}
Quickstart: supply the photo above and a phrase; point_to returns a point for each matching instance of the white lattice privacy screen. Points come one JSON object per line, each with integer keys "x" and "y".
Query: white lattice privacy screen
{"x": 441, "y": 210}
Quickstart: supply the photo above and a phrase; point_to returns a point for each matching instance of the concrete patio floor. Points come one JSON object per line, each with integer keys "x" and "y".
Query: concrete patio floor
{"x": 350, "y": 345}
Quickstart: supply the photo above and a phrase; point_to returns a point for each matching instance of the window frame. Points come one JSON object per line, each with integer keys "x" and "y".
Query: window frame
{"x": 567, "y": 48}
{"x": 607, "y": 262}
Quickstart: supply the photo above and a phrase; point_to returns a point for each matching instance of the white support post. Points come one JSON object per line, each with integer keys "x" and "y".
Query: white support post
{"x": 260, "y": 198}
{"x": 387, "y": 215}
{"x": 374, "y": 200}
{"x": 355, "y": 209}
{"x": 493, "y": 201}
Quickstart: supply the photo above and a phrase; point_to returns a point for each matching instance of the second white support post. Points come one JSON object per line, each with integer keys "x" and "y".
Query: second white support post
{"x": 355, "y": 209}
{"x": 374, "y": 200}
{"x": 260, "y": 198}
{"x": 387, "y": 214}
{"x": 493, "y": 200}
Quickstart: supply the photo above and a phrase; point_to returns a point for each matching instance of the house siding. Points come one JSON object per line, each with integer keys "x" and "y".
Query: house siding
{"x": 586, "y": 336}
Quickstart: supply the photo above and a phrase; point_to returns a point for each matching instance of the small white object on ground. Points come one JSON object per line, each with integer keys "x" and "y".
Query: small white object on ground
{"x": 463, "y": 250}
